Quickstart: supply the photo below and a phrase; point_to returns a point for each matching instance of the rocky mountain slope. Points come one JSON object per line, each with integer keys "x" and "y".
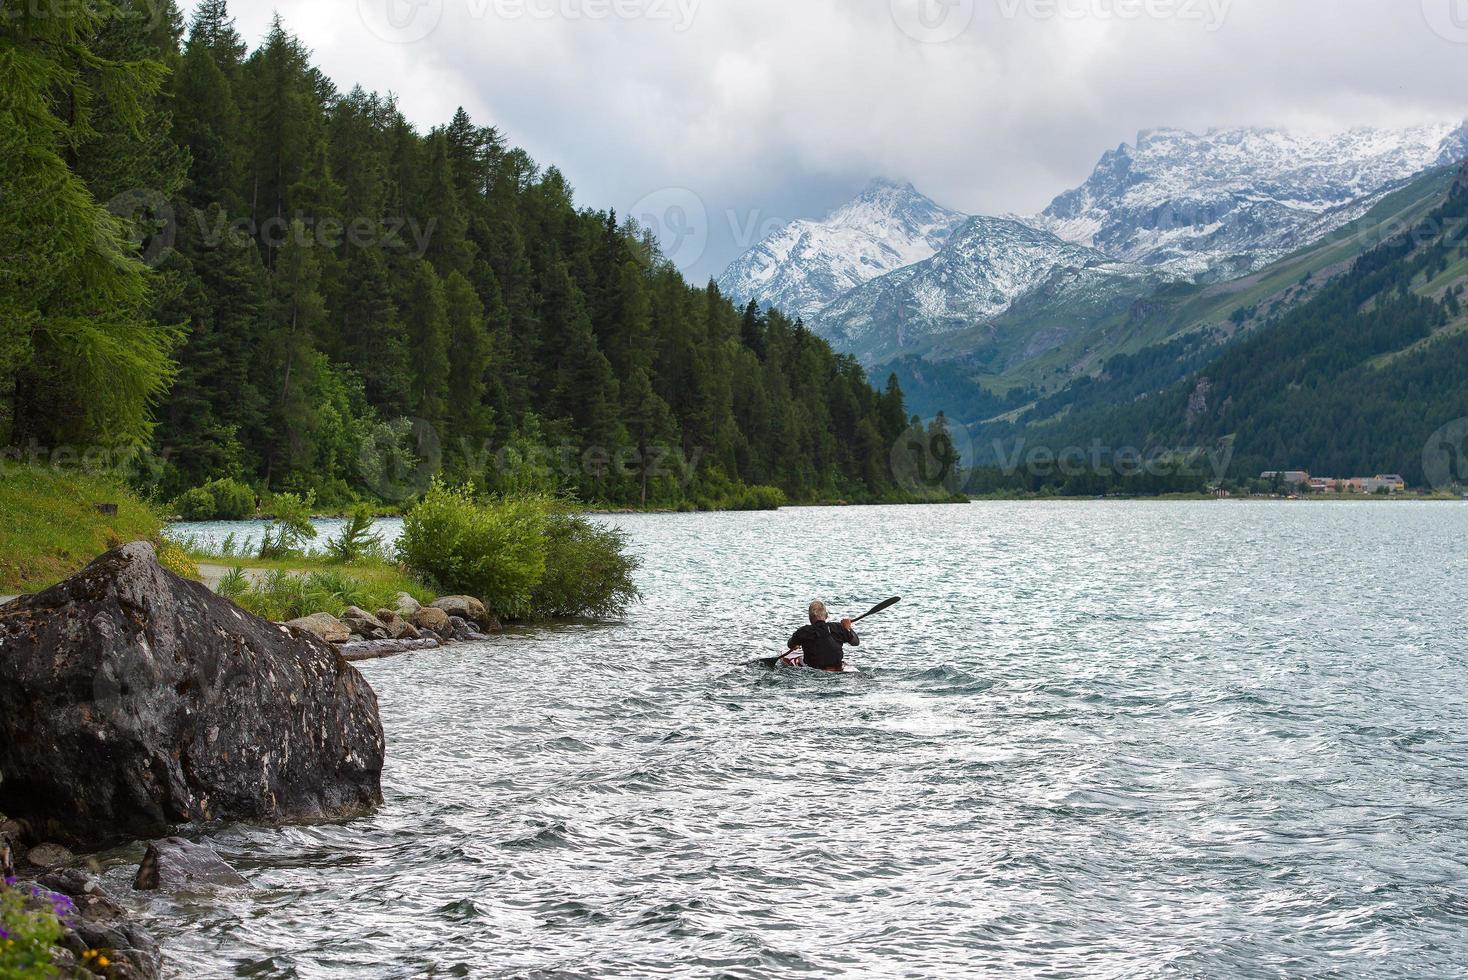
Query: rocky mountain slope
{"x": 984, "y": 269}
{"x": 1227, "y": 202}
{"x": 805, "y": 265}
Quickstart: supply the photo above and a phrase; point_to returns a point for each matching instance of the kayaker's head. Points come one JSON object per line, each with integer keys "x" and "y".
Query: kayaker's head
{"x": 817, "y": 612}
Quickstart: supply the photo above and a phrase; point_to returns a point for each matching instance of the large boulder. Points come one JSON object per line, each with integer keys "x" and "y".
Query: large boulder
{"x": 468, "y": 609}
{"x": 177, "y": 865}
{"x": 132, "y": 700}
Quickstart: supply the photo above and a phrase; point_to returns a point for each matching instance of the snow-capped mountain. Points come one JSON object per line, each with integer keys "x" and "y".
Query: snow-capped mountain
{"x": 984, "y": 268}
{"x": 1227, "y": 202}
{"x": 805, "y": 265}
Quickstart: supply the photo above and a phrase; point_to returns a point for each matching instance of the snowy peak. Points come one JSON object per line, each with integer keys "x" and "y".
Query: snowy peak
{"x": 805, "y": 265}
{"x": 1228, "y": 201}
{"x": 985, "y": 267}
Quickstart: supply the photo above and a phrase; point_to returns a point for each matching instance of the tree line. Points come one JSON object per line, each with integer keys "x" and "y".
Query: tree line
{"x": 213, "y": 253}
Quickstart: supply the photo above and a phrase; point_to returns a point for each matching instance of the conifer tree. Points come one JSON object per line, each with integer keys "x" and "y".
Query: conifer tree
{"x": 88, "y": 363}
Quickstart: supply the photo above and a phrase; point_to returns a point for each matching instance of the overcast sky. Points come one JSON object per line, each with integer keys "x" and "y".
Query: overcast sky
{"x": 725, "y": 116}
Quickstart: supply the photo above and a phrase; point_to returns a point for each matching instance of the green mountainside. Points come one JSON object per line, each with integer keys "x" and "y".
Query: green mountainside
{"x": 1353, "y": 380}
{"x": 1062, "y": 350}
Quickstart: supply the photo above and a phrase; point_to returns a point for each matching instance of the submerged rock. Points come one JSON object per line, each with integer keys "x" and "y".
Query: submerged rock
{"x": 177, "y": 865}
{"x": 132, "y": 700}
{"x": 379, "y": 649}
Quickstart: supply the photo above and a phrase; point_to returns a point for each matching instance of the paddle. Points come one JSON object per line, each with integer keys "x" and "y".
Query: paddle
{"x": 775, "y": 661}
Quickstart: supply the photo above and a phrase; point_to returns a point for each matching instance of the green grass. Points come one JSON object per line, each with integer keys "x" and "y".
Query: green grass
{"x": 50, "y": 527}
{"x": 286, "y": 594}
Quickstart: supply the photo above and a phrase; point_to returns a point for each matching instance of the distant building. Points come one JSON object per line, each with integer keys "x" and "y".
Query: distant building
{"x": 1390, "y": 482}
{"x": 1291, "y": 478}
{"x": 1325, "y": 484}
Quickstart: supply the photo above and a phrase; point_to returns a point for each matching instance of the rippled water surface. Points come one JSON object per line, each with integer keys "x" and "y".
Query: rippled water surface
{"x": 1102, "y": 739}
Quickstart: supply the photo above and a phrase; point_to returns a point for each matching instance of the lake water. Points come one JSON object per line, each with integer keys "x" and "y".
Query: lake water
{"x": 1098, "y": 739}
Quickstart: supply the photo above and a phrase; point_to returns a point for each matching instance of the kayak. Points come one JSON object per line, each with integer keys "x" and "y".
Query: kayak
{"x": 797, "y": 662}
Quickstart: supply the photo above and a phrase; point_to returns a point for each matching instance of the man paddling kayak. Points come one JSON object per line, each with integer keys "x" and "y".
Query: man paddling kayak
{"x": 821, "y": 642}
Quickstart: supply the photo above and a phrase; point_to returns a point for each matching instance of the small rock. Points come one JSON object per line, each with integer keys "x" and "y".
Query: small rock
{"x": 49, "y": 856}
{"x": 401, "y": 629}
{"x": 432, "y": 619}
{"x": 174, "y": 864}
{"x": 379, "y": 649}
{"x": 323, "y": 626}
{"x": 362, "y": 623}
{"x": 387, "y": 616}
{"x": 459, "y": 630}
{"x": 86, "y": 892}
{"x": 407, "y": 605}
{"x": 466, "y": 608}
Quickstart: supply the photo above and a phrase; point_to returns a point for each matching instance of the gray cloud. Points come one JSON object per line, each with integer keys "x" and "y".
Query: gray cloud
{"x": 752, "y": 111}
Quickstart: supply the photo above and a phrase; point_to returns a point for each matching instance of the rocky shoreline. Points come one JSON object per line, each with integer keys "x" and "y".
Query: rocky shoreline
{"x": 134, "y": 702}
{"x": 361, "y": 635}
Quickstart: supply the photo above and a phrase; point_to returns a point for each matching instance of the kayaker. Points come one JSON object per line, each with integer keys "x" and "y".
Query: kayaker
{"x": 821, "y": 642}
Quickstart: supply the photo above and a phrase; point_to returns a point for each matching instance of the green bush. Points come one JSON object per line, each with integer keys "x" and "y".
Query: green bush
{"x": 494, "y": 551}
{"x": 759, "y": 498}
{"x": 587, "y": 570}
{"x": 195, "y": 505}
{"x": 292, "y": 527}
{"x": 233, "y": 501}
{"x": 29, "y": 928}
{"x": 218, "y": 500}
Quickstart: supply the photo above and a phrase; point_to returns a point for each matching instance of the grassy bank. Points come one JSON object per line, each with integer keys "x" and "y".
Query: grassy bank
{"x": 50, "y": 526}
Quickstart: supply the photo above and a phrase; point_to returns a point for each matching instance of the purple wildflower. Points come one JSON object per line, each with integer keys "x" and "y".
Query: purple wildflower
{"x": 10, "y": 881}
{"x": 4, "y": 934}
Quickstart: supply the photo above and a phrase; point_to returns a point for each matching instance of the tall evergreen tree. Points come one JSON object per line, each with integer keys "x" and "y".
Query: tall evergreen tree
{"x": 88, "y": 362}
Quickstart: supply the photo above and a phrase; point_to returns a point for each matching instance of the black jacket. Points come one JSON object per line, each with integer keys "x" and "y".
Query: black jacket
{"x": 822, "y": 644}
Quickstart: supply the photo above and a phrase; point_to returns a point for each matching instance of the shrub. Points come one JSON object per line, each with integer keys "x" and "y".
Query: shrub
{"x": 234, "y": 584}
{"x": 172, "y": 556}
{"x": 28, "y": 931}
{"x": 195, "y": 505}
{"x": 587, "y": 570}
{"x": 218, "y": 500}
{"x": 233, "y": 501}
{"x": 292, "y": 527}
{"x": 356, "y": 539}
{"x": 494, "y": 550}
{"x": 759, "y": 498}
